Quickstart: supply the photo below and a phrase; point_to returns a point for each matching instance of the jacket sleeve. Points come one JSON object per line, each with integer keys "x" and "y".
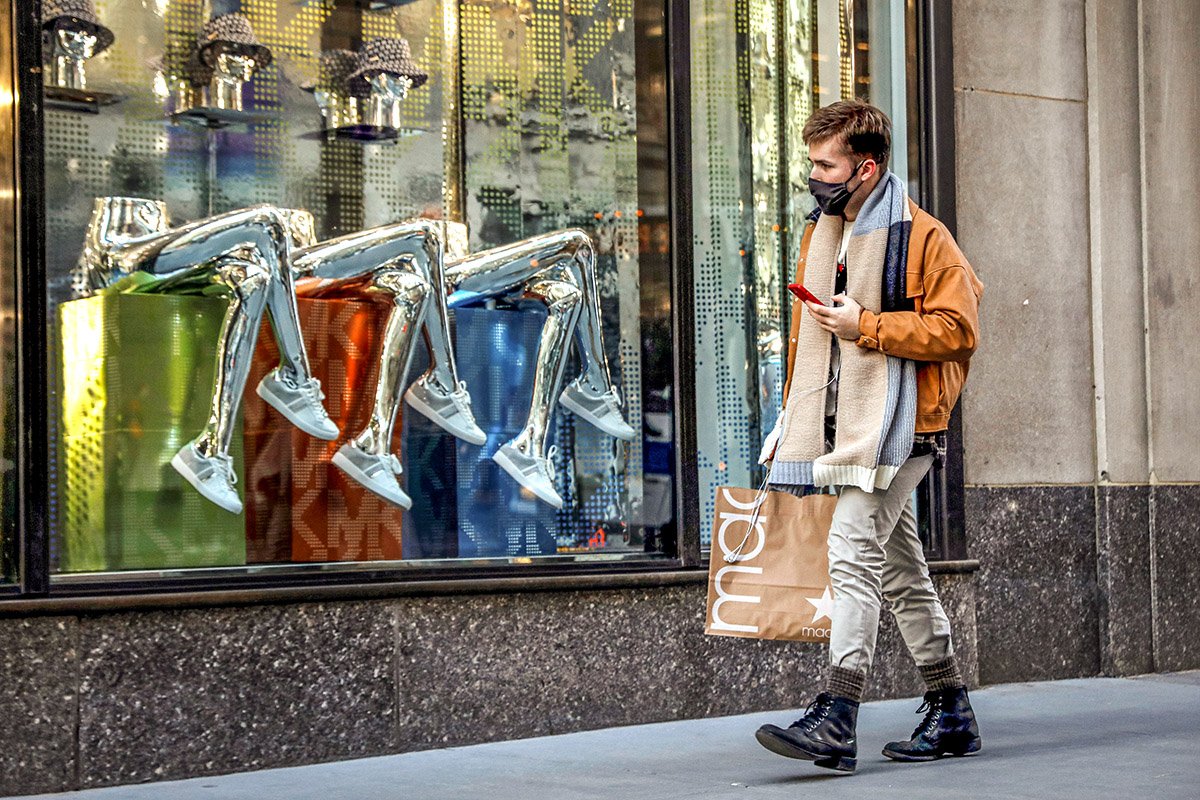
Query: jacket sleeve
{"x": 946, "y": 329}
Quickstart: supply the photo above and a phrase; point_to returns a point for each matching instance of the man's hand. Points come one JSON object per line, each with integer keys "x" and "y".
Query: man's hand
{"x": 841, "y": 321}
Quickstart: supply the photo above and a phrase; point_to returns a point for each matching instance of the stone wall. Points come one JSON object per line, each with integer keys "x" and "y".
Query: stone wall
{"x": 1077, "y": 205}
{"x": 125, "y": 697}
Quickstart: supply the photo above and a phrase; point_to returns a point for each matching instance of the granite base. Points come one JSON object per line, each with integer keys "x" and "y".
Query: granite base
{"x": 1037, "y": 594}
{"x": 1175, "y": 515}
{"x": 108, "y": 698}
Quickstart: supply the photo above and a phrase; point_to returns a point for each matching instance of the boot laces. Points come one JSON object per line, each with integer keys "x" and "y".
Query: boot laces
{"x": 932, "y": 709}
{"x": 815, "y": 714}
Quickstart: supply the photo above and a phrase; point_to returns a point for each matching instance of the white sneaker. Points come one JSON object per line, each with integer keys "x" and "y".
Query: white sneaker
{"x": 299, "y": 402}
{"x": 601, "y": 410}
{"x": 375, "y": 473}
{"x": 212, "y": 476}
{"x": 533, "y": 472}
{"x": 452, "y": 412}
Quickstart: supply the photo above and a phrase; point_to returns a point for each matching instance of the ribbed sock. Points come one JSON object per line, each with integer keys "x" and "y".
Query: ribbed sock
{"x": 942, "y": 675}
{"x": 846, "y": 683}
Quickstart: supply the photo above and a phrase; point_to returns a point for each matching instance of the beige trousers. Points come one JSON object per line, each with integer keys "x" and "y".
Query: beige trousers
{"x": 874, "y": 553}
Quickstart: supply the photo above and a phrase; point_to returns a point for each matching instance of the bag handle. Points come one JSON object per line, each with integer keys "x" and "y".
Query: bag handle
{"x": 732, "y": 557}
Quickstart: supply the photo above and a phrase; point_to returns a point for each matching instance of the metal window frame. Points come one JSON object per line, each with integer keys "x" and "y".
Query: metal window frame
{"x": 10, "y": 556}
{"x": 942, "y": 490}
{"x": 33, "y": 469}
{"x": 35, "y": 593}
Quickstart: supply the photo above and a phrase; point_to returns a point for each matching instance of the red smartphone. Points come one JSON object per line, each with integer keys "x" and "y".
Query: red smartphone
{"x": 804, "y": 294}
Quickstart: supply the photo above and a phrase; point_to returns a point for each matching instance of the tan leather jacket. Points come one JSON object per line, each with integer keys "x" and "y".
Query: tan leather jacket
{"x": 940, "y": 334}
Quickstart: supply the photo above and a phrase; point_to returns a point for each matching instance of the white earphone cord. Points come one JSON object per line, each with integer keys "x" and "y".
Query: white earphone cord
{"x": 762, "y": 490}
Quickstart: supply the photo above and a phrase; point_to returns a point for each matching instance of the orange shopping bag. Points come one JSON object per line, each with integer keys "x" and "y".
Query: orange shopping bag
{"x": 769, "y": 571}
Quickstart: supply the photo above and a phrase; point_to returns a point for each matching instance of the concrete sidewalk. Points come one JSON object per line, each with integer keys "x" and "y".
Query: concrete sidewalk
{"x": 1096, "y": 738}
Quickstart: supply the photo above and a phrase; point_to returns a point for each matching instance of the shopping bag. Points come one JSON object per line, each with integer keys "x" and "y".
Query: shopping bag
{"x": 769, "y": 573}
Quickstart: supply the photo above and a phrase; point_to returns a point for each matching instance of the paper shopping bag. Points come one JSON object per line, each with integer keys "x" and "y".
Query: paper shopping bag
{"x": 769, "y": 574}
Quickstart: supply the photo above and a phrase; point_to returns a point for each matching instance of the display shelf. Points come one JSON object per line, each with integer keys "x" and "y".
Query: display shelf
{"x": 364, "y": 134}
{"x": 83, "y": 101}
{"x": 217, "y": 118}
{"x": 370, "y": 5}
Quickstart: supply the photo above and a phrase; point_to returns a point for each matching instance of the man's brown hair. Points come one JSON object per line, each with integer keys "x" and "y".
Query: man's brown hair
{"x": 862, "y": 129}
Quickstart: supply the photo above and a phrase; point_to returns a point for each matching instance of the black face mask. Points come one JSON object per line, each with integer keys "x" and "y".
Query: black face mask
{"x": 832, "y": 198}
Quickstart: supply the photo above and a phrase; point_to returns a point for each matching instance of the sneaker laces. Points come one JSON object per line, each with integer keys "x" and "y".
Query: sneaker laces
{"x": 221, "y": 463}
{"x": 551, "y": 454}
{"x": 461, "y": 398}
{"x": 610, "y": 396}
{"x": 309, "y": 387}
{"x": 378, "y": 462}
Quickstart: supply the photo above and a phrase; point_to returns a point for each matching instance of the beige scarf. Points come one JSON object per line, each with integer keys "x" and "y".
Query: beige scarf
{"x": 876, "y": 398}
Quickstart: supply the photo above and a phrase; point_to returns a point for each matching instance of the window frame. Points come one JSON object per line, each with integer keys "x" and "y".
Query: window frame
{"x": 10, "y": 555}
{"x": 942, "y": 490}
{"x": 33, "y": 470}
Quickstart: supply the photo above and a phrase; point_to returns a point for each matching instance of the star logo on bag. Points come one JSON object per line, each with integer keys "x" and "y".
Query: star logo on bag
{"x": 823, "y": 605}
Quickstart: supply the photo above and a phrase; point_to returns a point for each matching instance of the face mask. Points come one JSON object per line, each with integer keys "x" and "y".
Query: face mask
{"x": 832, "y": 198}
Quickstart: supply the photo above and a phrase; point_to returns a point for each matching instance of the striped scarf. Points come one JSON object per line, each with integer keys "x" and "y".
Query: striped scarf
{"x": 877, "y": 393}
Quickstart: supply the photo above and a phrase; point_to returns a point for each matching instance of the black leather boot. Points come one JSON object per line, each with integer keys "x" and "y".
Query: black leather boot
{"x": 824, "y": 735}
{"x": 949, "y": 729}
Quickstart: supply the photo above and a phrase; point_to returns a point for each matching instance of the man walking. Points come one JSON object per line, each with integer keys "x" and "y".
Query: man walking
{"x": 873, "y": 375}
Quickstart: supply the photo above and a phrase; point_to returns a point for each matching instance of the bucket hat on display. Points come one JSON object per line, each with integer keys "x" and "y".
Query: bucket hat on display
{"x": 83, "y": 12}
{"x": 334, "y": 68}
{"x": 231, "y": 29}
{"x": 196, "y": 71}
{"x": 385, "y": 55}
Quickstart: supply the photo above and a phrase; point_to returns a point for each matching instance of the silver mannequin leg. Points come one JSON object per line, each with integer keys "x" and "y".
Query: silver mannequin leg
{"x": 508, "y": 271}
{"x": 265, "y": 231}
{"x": 248, "y": 283}
{"x": 407, "y": 260}
{"x": 443, "y": 369}
{"x": 411, "y": 293}
{"x": 366, "y": 252}
{"x": 589, "y": 336}
{"x": 130, "y": 247}
{"x": 503, "y": 270}
{"x": 250, "y": 245}
{"x": 500, "y": 270}
{"x": 408, "y": 291}
{"x": 562, "y": 299}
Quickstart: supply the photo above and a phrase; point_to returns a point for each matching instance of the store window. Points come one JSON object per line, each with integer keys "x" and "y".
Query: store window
{"x": 341, "y": 283}
{"x": 759, "y": 70}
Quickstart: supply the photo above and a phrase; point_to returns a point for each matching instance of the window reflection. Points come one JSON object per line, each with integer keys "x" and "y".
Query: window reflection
{"x": 529, "y": 296}
{"x": 759, "y": 70}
